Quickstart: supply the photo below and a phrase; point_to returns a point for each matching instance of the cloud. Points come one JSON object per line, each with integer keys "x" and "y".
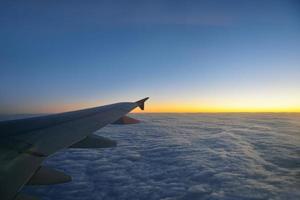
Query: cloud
{"x": 206, "y": 157}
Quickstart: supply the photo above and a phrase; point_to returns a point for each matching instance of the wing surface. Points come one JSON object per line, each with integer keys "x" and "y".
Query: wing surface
{"x": 26, "y": 143}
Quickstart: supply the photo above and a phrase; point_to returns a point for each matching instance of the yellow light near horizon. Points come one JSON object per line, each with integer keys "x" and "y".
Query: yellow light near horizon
{"x": 179, "y": 109}
{"x": 194, "y": 108}
{"x": 208, "y": 106}
{"x": 244, "y": 102}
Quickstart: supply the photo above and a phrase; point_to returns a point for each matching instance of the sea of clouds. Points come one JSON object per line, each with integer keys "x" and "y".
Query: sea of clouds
{"x": 186, "y": 156}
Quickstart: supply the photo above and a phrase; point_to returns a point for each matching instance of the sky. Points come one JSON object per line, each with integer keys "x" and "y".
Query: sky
{"x": 187, "y": 56}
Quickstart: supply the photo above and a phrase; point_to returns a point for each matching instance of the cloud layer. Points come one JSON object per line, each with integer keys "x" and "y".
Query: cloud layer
{"x": 186, "y": 156}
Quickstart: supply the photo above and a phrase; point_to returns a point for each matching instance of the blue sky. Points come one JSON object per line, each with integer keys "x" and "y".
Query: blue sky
{"x": 57, "y": 55}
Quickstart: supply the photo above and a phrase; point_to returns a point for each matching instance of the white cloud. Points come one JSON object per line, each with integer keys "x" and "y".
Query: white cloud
{"x": 229, "y": 157}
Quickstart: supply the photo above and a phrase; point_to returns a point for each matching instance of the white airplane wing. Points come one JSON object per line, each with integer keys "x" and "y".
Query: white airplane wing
{"x": 26, "y": 143}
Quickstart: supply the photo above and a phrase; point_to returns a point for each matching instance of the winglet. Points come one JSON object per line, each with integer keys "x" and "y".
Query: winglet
{"x": 141, "y": 103}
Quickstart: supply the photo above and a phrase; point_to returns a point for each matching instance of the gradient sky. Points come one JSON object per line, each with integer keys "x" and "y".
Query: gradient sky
{"x": 188, "y": 56}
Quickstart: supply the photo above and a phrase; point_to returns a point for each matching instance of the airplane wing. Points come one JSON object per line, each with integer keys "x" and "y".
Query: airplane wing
{"x": 26, "y": 143}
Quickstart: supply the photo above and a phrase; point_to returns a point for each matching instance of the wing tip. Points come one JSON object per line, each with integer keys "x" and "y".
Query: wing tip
{"x": 141, "y": 103}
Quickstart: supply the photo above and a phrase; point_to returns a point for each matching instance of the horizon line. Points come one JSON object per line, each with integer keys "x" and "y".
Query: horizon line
{"x": 170, "y": 112}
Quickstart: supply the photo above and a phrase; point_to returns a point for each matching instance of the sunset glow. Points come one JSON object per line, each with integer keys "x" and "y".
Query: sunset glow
{"x": 194, "y": 56}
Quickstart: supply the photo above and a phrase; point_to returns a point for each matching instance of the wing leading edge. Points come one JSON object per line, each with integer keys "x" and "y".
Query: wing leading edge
{"x": 26, "y": 143}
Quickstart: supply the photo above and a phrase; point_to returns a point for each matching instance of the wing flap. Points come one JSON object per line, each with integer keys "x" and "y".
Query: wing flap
{"x": 48, "y": 176}
{"x": 126, "y": 120}
{"x": 94, "y": 141}
{"x": 25, "y": 197}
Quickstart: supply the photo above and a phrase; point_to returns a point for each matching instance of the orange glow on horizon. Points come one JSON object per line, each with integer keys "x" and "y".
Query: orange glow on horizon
{"x": 204, "y": 108}
{"x": 173, "y": 107}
